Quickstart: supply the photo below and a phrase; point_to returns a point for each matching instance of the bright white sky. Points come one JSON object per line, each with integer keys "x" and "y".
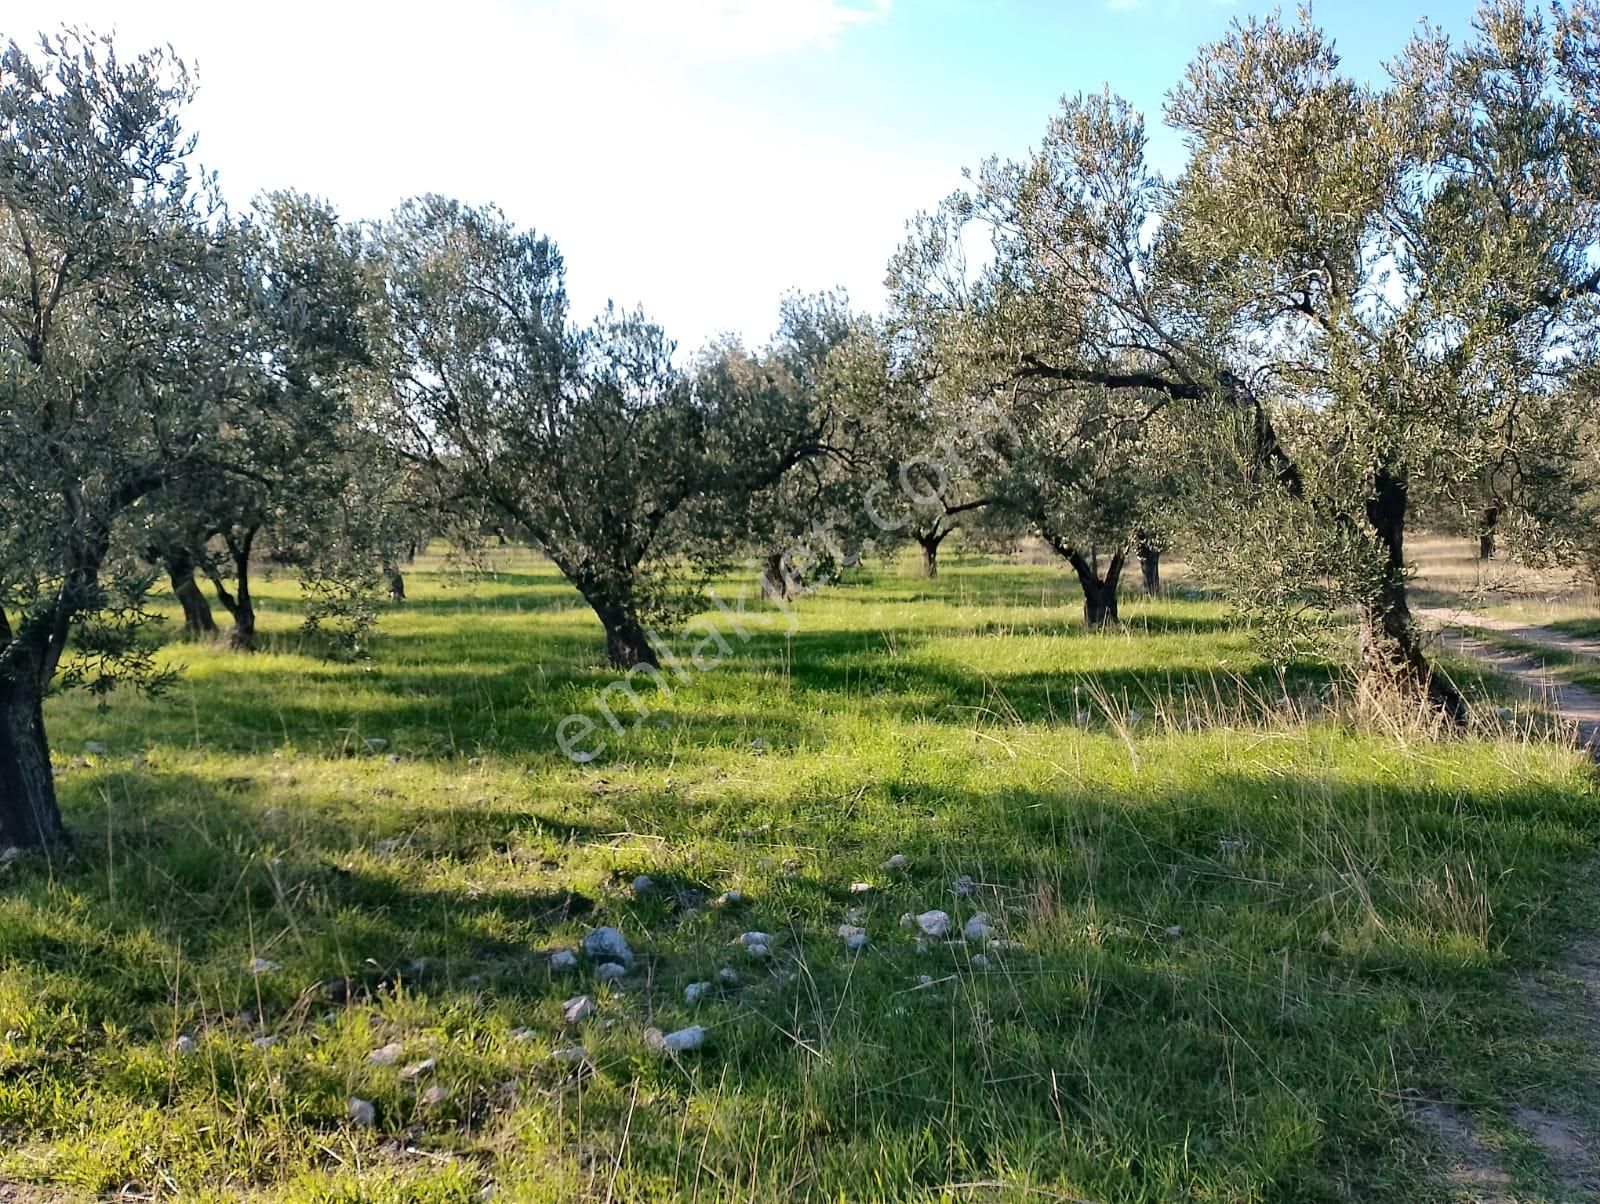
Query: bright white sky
{"x": 696, "y": 156}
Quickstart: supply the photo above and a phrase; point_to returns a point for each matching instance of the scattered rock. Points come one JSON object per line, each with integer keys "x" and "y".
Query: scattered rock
{"x": 262, "y": 965}
{"x": 758, "y": 745}
{"x": 730, "y": 898}
{"x": 610, "y": 971}
{"x": 184, "y": 1044}
{"x": 94, "y": 748}
{"x": 577, "y": 1008}
{"x": 569, "y": 1055}
{"x": 1175, "y": 931}
{"x": 388, "y": 846}
{"x": 729, "y": 976}
{"x": 980, "y": 961}
{"x": 693, "y": 992}
{"x": 684, "y": 1039}
{"x": 608, "y": 945}
{"x": 924, "y": 980}
{"x": 897, "y": 862}
{"x": 563, "y": 959}
{"x": 376, "y": 744}
{"x": 9, "y": 855}
{"x": 758, "y": 950}
{"x": 387, "y": 1055}
{"x": 393, "y": 758}
{"x": 362, "y": 1114}
{"x": 417, "y": 1069}
{"x": 264, "y": 1042}
{"x": 642, "y": 885}
{"x": 860, "y": 888}
{"x": 474, "y": 762}
{"x": 935, "y": 924}
{"x": 1505, "y": 714}
{"x": 963, "y": 887}
{"x": 435, "y": 1095}
{"x": 977, "y": 928}
{"x": 523, "y": 1034}
{"x": 854, "y": 937}
{"x": 751, "y": 939}
{"x": 922, "y": 945}
{"x": 855, "y": 915}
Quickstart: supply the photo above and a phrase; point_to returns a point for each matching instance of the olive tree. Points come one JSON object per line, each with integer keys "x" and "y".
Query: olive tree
{"x": 1350, "y": 288}
{"x": 119, "y": 333}
{"x": 588, "y": 441}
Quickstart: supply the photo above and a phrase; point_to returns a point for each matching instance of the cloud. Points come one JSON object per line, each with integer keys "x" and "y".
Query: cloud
{"x": 737, "y": 28}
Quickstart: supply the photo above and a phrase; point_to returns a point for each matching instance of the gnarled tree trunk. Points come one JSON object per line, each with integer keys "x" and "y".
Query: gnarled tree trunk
{"x": 197, "y": 618}
{"x": 238, "y": 600}
{"x": 627, "y": 644}
{"x": 29, "y": 816}
{"x": 1486, "y": 530}
{"x": 1150, "y": 567}
{"x": 1390, "y": 640}
{"x": 397, "y": 583}
{"x": 775, "y": 581}
{"x": 929, "y": 543}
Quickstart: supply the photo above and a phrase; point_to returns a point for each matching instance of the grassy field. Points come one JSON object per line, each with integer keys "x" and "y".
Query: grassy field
{"x": 1238, "y": 936}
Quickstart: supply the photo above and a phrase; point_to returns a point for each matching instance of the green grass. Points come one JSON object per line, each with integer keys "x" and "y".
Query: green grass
{"x": 1241, "y": 931}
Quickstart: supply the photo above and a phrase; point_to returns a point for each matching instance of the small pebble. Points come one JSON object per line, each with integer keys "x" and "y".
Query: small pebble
{"x": 642, "y": 885}
{"x": 977, "y": 928}
{"x": 570, "y": 1054}
{"x": 264, "y": 1042}
{"x": 963, "y": 886}
{"x": 435, "y": 1095}
{"x": 729, "y": 976}
{"x": 730, "y": 898}
{"x": 376, "y": 744}
{"x": 860, "y": 888}
{"x": 1175, "y": 931}
{"x": 610, "y": 971}
{"x": 897, "y": 862}
{"x": 523, "y": 1034}
{"x": 684, "y": 1039}
{"x": 751, "y": 939}
{"x": 386, "y": 1055}
{"x": 262, "y": 965}
{"x": 693, "y": 992}
{"x": 417, "y": 1069}
{"x": 608, "y": 945}
{"x": 854, "y": 937}
{"x": 980, "y": 961}
{"x": 185, "y": 1044}
{"x": 578, "y": 1008}
{"x": 362, "y": 1114}
{"x": 935, "y": 924}
{"x": 563, "y": 959}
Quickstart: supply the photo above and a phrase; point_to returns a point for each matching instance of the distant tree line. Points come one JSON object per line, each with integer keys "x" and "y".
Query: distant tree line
{"x": 1357, "y": 304}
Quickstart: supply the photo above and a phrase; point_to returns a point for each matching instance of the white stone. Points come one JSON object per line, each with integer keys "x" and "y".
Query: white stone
{"x": 435, "y": 1095}
{"x": 570, "y": 1054}
{"x": 362, "y": 1114}
{"x": 577, "y": 1008}
{"x": 94, "y": 748}
{"x": 729, "y": 898}
{"x": 1505, "y": 714}
{"x": 854, "y": 937}
{"x": 262, "y": 965}
{"x": 376, "y": 744}
{"x": 924, "y": 980}
{"x": 684, "y": 1039}
{"x": 934, "y": 923}
{"x": 563, "y": 959}
{"x": 897, "y": 862}
{"x": 417, "y": 1069}
{"x": 855, "y": 915}
{"x": 693, "y": 992}
{"x": 980, "y": 961}
{"x": 751, "y": 939}
{"x": 642, "y": 885}
{"x": 860, "y": 888}
{"x": 977, "y": 928}
{"x": 729, "y": 975}
{"x": 963, "y": 886}
{"x": 185, "y": 1044}
{"x": 608, "y": 945}
{"x": 523, "y": 1034}
{"x": 1175, "y": 931}
{"x": 758, "y": 950}
{"x": 610, "y": 971}
{"x": 387, "y": 1055}
{"x": 264, "y": 1042}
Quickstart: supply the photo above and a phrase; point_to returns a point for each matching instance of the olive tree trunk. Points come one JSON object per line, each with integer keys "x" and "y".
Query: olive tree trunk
{"x": 1486, "y": 532}
{"x": 1150, "y": 568}
{"x": 1099, "y": 591}
{"x": 29, "y": 815}
{"x": 238, "y": 601}
{"x": 197, "y": 618}
{"x": 774, "y": 578}
{"x": 1391, "y": 642}
{"x": 930, "y": 553}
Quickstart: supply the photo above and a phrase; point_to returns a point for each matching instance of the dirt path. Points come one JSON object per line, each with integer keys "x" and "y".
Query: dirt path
{"x": 1471, "y": 1168}
{"x": 1578, "y": 706}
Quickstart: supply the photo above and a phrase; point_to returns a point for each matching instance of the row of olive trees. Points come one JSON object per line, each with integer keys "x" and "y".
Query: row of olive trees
{"x": 1353, "y": 296}
{"x": 190, "y": 391}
